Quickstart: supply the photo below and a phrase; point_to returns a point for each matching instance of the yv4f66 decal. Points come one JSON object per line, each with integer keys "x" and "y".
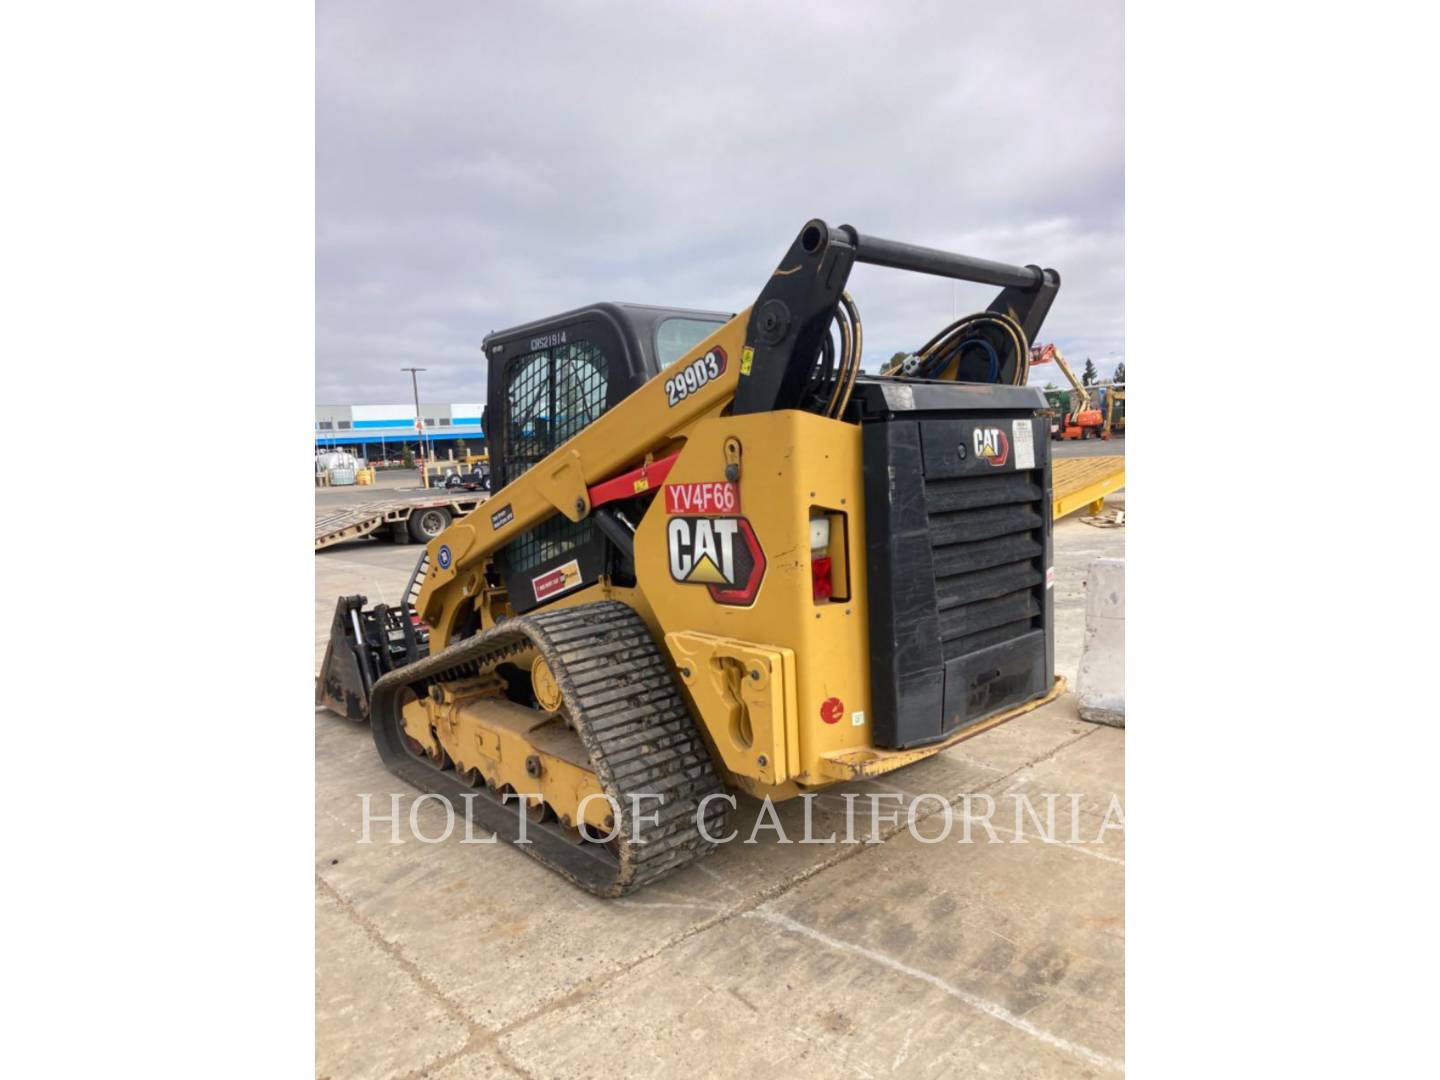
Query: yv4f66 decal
{"x": 716, "y": 497}
{"x": 720, "y": 553}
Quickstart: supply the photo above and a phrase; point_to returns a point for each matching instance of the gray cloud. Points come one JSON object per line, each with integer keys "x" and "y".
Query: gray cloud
{"x": 483, "y": 164}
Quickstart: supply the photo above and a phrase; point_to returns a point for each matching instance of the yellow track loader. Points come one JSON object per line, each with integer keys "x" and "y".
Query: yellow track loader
{"x": 718, "y": 556}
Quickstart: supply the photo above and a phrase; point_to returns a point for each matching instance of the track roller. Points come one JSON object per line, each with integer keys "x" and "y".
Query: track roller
{"x": 598, "y": 666}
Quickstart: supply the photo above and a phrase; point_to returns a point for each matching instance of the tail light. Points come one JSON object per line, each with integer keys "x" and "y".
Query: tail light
{"x": 821, "y": 583}
{"x": 820, "y": 578}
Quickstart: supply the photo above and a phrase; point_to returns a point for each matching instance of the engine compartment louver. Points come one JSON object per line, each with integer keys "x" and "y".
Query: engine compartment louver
{"x": 958, "y": 537}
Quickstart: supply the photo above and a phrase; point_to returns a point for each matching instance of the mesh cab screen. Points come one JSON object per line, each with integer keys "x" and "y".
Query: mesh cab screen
{"x": 551, "y": 395}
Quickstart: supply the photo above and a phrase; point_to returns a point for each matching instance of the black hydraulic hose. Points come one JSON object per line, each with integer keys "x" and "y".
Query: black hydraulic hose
{"x": 981, "y": 330}
{"x": 833, "y": 371}
{"x": 847, "y": 319}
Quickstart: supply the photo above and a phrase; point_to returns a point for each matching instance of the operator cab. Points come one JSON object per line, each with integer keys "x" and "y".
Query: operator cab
{"x": 548, "y": 381}
{"x": 551, "y": 378}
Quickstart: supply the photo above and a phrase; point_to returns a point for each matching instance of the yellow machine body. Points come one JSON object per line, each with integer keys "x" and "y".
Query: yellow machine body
{"x": 803, "y": 721}
{"x": 771, "y": 734}
{"x": 573, "y": 658}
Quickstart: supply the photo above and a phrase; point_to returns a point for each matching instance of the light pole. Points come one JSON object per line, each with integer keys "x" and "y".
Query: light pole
{"x": 419, "y": 422}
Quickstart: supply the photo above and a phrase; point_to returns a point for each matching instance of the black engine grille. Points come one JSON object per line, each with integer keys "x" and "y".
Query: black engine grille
{"x": 986, "y": 542}
{"x": 958, "y": 547}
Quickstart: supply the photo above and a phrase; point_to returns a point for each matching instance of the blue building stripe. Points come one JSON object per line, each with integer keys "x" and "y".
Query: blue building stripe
{"x": 409, "y": 425}
{"x": 350, "y": 438}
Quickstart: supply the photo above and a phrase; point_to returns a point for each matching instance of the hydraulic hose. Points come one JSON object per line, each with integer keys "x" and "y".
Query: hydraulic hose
{"x": 832, "y": 376}
{"x": 988, "y": 346}
{"x": 852, "y": 340}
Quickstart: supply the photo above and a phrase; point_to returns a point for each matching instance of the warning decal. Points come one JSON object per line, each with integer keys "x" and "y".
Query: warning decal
{"x": 1024, "y": 443}
{"x": 553, "y": 582}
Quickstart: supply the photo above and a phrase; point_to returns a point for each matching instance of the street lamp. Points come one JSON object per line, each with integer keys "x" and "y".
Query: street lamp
{"x": 419, "y": 422}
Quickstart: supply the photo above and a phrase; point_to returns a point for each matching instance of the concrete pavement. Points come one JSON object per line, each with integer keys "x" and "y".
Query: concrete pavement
{"x": 1061, "y": 448}
{"x": 900, "y": 958}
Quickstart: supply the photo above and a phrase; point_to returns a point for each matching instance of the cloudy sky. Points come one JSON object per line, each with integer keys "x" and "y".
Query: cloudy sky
{"x": 482, "y": 164}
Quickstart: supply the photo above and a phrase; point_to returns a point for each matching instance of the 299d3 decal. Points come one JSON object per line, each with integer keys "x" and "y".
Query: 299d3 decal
{"x": 695, "y": 375}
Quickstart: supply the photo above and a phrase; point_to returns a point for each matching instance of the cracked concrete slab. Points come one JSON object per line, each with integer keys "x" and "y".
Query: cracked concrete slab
{"x": 1091, "y": 772}
{"x": 472, "y": 960}
{"x": 373, "y": 1018}
{"x": 506, "y": 939}
{"x": 911, "y": 959}
{"x": 478, "y": 1064}
{"x": 530, "y": 938}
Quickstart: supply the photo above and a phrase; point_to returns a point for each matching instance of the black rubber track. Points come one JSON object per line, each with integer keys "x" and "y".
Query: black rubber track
{"x": 631, "y": 719}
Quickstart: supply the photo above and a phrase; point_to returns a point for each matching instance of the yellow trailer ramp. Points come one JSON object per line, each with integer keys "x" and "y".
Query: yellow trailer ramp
{"x": 1085, "y": 481}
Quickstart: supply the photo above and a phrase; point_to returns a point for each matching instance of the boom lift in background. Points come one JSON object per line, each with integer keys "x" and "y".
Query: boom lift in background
{"x": 719, "y": 556}
{"x": 1114, "y": 410}
{"x": 1082, "y": 419}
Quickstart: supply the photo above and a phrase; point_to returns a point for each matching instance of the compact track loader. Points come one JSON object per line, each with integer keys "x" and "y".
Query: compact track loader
{"x": 717, "y": 555}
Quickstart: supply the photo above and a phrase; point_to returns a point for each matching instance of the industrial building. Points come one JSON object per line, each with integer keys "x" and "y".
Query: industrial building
{"x": 382, "y": 432}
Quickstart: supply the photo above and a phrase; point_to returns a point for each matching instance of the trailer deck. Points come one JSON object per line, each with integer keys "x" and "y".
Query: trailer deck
{"x": 360, "y": 520}
{"x": 1085, "y": 481}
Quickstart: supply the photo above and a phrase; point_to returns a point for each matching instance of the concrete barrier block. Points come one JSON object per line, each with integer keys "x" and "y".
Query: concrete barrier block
{"x": 1101, "y": 685}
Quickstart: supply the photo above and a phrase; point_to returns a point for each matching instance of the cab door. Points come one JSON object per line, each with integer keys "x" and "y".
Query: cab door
{"x": 553, "y": 383}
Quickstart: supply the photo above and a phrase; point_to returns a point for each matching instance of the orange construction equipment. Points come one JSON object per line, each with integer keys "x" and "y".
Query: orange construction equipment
{"x": 1083, "y": 420}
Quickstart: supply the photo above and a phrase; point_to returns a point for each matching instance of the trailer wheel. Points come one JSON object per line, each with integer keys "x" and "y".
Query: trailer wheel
{"x": 427, "y": 524}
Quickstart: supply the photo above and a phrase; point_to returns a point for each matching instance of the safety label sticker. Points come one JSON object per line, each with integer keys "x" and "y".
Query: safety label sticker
{"x": 713, "y": 497}
{"x": 1024, "y": 440}
{"x": 1049, "y": 577}
{"x": 553, "y": 582}
{"x": 502, "y": 517}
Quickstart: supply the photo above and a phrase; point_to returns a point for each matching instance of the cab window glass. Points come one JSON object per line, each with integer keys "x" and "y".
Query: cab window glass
{"x": 675, "y": 337}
